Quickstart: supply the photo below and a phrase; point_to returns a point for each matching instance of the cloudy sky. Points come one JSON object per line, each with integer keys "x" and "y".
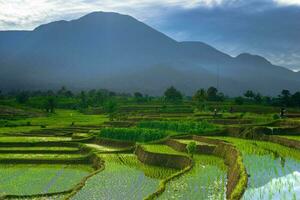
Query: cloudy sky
{"x": 270, "y": 28}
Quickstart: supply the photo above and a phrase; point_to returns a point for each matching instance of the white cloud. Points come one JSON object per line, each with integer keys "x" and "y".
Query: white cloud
{"x": 27, "y": 14}
{"x": 288, "y": 2}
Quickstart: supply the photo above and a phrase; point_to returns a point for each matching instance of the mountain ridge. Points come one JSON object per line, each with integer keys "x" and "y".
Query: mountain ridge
{"x": 100, "y": 46}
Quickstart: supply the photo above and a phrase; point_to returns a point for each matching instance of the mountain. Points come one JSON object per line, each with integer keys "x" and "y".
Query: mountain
{"x": 118, "y": 52}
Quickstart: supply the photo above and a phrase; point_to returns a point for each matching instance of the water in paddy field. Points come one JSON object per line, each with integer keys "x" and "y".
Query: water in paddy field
{"x": 206, "y": 181}
{"x": 274, "y": 169}
{"x": 124, "y": 177}
{"x": 35, "y": 179}
{"x": 272, "y": 178}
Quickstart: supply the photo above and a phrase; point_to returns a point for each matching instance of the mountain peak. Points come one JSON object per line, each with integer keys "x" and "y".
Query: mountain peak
{"x": 250, "y": 58}
{"x": 99, "y": 14}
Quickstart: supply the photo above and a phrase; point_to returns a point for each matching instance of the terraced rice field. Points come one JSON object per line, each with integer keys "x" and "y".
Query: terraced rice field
{"x": 34, "y": 179}
{"x": 186, "y": 141}
{"x": 160, "y": 148}
{"x": 39, "y": 156}
{"x": 124, "y": 178}
{"x": 207, "y": 180}
{"x": 102, "y": 148}
{"x": 33, "y": 139}
{"x": 274, "y": 170}
{"x": 292, "y": 137}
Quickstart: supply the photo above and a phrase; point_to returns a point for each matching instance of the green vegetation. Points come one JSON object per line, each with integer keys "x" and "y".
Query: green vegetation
{"x": 132, "y": 134}
{"x": 60, "y": 118}
{"x": 56, "y": 121}
{"x": 292, "y": 137}
{"x": 160, "y": 148}
{"x": 273, "y": 169}
{"x": 206, "y": 180}
{"x": 123, "y": 178}
{"x": 24, "y": 139}
{"x": 35, "y": 179}
{"x": 186, "y": 141}
{"x": 181, "y": 126}
{"x": 191, "y": 148}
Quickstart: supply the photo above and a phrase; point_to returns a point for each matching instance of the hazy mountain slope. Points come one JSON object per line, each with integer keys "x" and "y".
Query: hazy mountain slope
{"x": 117, "y": 51}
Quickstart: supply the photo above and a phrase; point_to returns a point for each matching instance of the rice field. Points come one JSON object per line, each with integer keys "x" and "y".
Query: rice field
{"x": 124, "y": 178}
{"x": 34, "y": 179}
{"x": 186, "y": 141}
{"x": 160, "y": 148}
{"x": 274, "y": 169}
{"x": 102, "y": 148}
{"x": 39, "y": 156}
{"x": 207, "y": 180}
{"x": 292, "y": 137}
{"x": 33, "y": 139}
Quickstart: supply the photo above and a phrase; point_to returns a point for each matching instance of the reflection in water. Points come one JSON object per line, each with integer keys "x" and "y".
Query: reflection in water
{"x": 272, "y": 178}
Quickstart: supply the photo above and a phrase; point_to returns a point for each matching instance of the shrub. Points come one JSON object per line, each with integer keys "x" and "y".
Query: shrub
{"x": 191, "y": 148}
{"x": 276, "y": 116}
{"x": 132, "y": 134}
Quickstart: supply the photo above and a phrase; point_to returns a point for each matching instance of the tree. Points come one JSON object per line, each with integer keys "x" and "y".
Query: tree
{"x": 285, "y": 98}
{"x": 173, "y": 95}
{"x": 200, "y": 95}
{"x": 50, "y": 104}
{"x": 212, "y": 94}
{"x": 239, "y": 100}
{"x": 111, "y": 108}
{"x": 138, "y": 97}
{"x": 296, "y": 99}
{"x": 249, "y": 94}
{"x": 191, "y": 148}
{"x": 83, "y": 100}
{"x": 22, "y": 97}
{"x": 258, "y": 98}
{"x": 1, "y": 95}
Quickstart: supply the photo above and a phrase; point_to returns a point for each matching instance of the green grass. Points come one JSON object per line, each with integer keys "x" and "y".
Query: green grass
{"x": 33, "y": 179}
{"x": 160, "y": 148}
{"x": 60, "y": 118}
{"x": 206, "y": 180}
{"x": 124, "y": 178}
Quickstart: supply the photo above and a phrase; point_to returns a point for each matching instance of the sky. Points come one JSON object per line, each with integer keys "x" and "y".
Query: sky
{"x": 270, "y": 28}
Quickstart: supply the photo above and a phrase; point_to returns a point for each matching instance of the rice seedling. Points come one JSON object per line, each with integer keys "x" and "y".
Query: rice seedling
{"x": 124, "y": 177}
{"x": 207, "y": 180}
{"x": 160, "y": 148}
{"x": 33, "y": 179}
{"x": 274, "y": 169}
{"x": 33, "y": 139}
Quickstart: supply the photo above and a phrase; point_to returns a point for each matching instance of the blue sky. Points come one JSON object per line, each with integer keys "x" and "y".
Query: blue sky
{"x": 270, "y": 28}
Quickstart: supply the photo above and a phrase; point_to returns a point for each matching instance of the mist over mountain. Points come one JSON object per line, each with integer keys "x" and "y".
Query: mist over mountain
{"x": 118, "y": 52}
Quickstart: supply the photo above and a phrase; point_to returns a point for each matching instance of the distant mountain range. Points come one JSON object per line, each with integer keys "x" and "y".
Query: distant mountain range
{"x": 118, "y": 52}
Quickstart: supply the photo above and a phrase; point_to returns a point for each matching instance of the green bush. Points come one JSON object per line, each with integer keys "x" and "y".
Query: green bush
{"x": 132, "y": 134}
{"x": 180, "y": 126}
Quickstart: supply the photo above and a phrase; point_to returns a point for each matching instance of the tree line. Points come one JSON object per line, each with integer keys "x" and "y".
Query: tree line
{"x": 64, "y": 98}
